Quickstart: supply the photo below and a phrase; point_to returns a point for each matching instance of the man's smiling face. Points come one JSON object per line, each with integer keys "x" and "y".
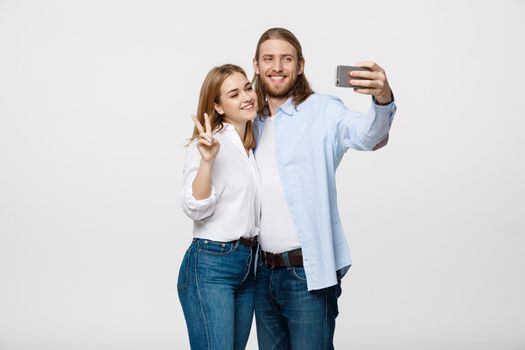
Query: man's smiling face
{"x": 278, "y": 67}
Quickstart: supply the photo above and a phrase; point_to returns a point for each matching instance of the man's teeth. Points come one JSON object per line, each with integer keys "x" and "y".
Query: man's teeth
{"x": 277, "y": 78}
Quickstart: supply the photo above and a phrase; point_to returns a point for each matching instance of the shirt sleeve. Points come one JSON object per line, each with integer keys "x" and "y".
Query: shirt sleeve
{"x": 359, "y": 131}
{"x": 196, "y": 209}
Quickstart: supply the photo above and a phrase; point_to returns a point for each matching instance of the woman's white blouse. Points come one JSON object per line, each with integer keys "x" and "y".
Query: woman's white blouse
{"x": 233, "y": 208}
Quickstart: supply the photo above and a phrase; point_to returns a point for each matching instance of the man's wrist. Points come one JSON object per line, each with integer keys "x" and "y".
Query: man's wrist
{"x": 384, "y": 101}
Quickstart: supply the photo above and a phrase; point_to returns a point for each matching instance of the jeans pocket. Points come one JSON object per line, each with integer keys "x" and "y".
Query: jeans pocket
{"x": 298, "y": 273}
{"x": 215, "y": 248}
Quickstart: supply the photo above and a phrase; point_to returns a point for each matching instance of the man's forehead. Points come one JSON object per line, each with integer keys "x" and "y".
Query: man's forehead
{"x": 277, "y": 47}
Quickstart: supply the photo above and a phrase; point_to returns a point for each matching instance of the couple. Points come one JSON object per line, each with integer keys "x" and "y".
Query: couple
{"x": 267, "y": 233}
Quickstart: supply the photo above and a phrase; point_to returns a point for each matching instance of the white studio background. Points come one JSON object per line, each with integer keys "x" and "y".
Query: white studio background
{"x": 95, "y": 104}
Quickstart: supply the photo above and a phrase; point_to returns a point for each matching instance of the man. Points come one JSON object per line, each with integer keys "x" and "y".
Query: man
{"x": 302, "y": 137}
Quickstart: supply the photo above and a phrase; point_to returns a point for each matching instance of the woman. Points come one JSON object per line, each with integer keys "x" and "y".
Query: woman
{"x": 221, "y": 194}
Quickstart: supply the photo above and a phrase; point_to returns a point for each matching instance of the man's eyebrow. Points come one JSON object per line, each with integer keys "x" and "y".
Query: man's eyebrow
{"x": 271, "y": 55}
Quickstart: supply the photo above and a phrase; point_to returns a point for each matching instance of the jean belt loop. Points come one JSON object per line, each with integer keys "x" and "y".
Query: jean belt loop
{"x": 237, "y": 242}
{"x": 286, "y": 260}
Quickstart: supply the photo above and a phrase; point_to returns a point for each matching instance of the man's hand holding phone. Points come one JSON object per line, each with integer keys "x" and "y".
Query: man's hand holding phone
{"x": 366, "y": 78}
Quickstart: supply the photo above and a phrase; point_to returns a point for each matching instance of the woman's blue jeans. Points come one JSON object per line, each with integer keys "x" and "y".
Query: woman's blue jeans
{"x": 215, "y": 286}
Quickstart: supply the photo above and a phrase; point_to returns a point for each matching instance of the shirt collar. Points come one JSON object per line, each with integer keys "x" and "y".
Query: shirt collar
{"x": 228, "y": 126}
{"x": 230, "y": 132}
{"x": 287, "y": 107}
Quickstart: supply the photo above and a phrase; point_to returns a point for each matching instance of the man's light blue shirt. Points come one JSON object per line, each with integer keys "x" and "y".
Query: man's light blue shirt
{"x": 310, "y": 141}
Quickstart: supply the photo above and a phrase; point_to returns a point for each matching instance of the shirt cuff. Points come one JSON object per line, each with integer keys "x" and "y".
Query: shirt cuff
{"x": 385, "y": 106}
{"x": 389, "y": 109}
{"x": 199, "y": 204}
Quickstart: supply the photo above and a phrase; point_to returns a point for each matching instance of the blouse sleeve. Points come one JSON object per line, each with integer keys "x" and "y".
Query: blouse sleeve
{"x": 196, "y": 209}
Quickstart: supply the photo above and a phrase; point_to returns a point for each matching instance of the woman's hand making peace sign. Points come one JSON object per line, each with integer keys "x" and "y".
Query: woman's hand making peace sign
{"x": 207, "y": 145}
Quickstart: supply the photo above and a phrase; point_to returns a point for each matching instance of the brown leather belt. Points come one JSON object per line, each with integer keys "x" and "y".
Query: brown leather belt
{"x": 249, "y": 242}
{"x": 295, "y": 257}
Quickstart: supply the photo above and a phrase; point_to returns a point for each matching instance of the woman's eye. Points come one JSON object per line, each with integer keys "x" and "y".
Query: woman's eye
{"x": 234, "y": 95}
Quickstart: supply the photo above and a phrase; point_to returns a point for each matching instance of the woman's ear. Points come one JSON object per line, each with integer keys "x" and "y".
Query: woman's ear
{"x": 218, "y": 108}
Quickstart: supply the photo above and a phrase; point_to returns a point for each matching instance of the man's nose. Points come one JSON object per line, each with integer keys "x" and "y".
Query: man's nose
{"x": 277, "y": 66}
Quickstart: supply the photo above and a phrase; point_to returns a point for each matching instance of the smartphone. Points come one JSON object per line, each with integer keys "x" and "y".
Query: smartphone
{"x": 342, "y": 77}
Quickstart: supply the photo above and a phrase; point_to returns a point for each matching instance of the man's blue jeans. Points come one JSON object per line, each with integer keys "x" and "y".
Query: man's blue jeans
{"x": 216, "y": 286}
{"x": 288, "y": 316}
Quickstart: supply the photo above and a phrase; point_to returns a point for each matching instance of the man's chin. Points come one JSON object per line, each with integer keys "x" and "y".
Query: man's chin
{"x": 277, "y": 93}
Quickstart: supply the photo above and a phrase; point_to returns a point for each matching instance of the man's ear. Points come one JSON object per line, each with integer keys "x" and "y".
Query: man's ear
{"x": 300, "y": 70}
{"x": 255, "y": 66}
{"x": 218, "y": 108}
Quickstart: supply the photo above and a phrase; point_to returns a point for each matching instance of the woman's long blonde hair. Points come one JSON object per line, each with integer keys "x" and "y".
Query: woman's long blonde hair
{"x": 210, "y": 94}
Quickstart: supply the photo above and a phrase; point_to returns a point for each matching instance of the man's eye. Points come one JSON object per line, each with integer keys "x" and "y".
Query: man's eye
{"x": 267, "y": 59}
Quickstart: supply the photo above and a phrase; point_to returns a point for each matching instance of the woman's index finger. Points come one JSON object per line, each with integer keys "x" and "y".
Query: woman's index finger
{"x": 198, "y": 124}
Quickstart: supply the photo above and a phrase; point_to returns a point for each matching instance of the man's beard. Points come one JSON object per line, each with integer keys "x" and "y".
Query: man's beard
{"x": 280, "y": 92}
